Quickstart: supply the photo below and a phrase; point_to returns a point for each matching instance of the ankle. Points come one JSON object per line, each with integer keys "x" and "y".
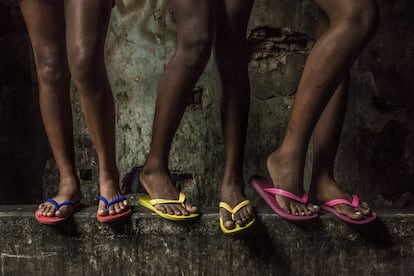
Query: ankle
{"x": 284, "y": 161}
{"x": 152, "y": 166}
{"x": 108, "y": 175}
{"x": 69, "y": 181}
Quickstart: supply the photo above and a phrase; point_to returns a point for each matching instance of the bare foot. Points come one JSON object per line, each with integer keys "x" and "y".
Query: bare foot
{"x": 232, "y": 193}
{"x": 159, "y": 185}
{"x": 68, "y": 191}
{"x": 109, "y": 189}
{"x": 326, "y": 189}
{"x": 288, "y": 175}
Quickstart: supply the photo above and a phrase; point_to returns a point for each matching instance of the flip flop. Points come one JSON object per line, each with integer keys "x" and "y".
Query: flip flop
{"x": 268, "y": 192}
{"x": 147, "y": 202}
{"x": 233, "y": 211}
{"x": 114, "y": 217}
{"x": 75, "y": 206}
{"x": 328, "y": 206}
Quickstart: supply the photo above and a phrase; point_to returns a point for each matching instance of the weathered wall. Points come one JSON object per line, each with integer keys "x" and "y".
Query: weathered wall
{"x": 376, "y": 153}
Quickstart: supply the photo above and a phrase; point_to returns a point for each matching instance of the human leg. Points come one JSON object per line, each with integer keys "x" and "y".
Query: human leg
{"x": 194, "y": 36}
{"x": 230, "y": 52}
{"x": 351, "y": 24}
{"x": 86, "y": 27}
{"x": 326, "y": 137}
{"x": 46, "y": 27}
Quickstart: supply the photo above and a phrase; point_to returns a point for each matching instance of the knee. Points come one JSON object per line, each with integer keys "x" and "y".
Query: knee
{"x": 195, "y": 49}
{"x": 51, "y": 66}
{"x": 84, "y": 65}
{"x": 362, "y": 18}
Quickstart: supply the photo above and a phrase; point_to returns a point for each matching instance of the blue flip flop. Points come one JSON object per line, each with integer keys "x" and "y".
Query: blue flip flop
{"x": 75, "y": 206}
{"x": 114, "y": 217}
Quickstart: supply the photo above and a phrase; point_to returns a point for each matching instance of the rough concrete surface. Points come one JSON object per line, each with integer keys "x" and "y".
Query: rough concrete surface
{"x": 148, "y": 245}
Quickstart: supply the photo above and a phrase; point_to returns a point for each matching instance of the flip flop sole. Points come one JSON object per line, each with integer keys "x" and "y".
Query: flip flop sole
{"x": 116, "y": 217}
{"x": 365, "y": 220}
{"x": 260, "y": 184}
{"x": 56, "y": 220}
{"x": 238, "y": 229}
{"x": 145, "y": 202}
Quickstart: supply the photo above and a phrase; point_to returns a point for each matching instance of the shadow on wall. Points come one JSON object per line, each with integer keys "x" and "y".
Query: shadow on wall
{"x": 23, "y": 144}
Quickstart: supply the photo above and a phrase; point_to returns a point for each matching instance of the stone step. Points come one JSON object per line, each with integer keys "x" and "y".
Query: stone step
{"x": 148, "y": 245}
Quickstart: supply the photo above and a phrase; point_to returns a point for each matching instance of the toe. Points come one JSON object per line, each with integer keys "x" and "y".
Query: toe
{"x": 102, "y": 212}
{"x": 112, "y": 210}
{"x": 227, "y": 220}
{"x": 240, "y": 217}
{"x": 313, "y": 208}
{"x": 294, "y": 209}
{"x": 169, "y": 210}
{"x": 41, "y": 209}
{"x": 364, "y": 208}
{"x": 102, "y": 209}
{"x": 350, "y": 212}
{"x": 161, "y": 207}
{"x": 61, "y": 212}
{"x": 50, "y": 211}
{"x": 176, "y": 210}
{"x": 183, "y": 210}
{"x": 191, "y": 208}
{"x": 248, "y": 212}
{"x": 124, "y": 204}
{"x": 302, "y": 210}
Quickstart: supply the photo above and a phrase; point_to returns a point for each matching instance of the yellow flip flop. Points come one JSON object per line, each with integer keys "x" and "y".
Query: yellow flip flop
{"x": 233, "y": 211}
{"x": 149, "y": 203}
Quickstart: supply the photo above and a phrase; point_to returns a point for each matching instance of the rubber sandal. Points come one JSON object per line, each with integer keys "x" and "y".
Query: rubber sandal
{"x": 328, "y": 206}
{"x": 268, "y": 192}
{"x": 75, "y": 206}
{"x": 114, "y": 217}
{"x": 233, "y": 211}
{"x": 147, "y": 202}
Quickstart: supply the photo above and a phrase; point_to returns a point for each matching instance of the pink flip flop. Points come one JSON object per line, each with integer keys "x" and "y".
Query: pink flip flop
{"x": 328, "y": 206}
{"x": 268, "y": 192}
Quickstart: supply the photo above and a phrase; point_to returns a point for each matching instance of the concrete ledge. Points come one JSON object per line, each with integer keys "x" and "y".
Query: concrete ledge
{"x": 148, "y": 245}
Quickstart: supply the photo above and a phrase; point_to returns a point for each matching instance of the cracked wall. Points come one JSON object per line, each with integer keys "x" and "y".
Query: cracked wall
{"x": 375, "y": 158}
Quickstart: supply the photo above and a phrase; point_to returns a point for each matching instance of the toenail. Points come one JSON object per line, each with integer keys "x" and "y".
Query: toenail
{"x": 302, "y": 213}
{"x": 315, "y": 206}
{"x": 358, "y": 213}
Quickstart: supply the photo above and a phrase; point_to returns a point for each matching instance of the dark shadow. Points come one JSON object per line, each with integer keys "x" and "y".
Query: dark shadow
{"x": 263, "y": 248}
{"x": 375, "y": 232}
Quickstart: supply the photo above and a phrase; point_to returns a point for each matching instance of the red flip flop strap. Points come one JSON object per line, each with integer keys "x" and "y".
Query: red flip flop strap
{"x": 334, "y": 202}
{"x": 275, "y": 191}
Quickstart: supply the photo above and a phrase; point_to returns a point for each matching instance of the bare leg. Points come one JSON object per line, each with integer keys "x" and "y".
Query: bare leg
{"x": 230, "y": 51}
{"x": 194, "y": 36}
{"x": 351, "y": 24}
{"x": 87, "y": 23}
{"x": 325, "y": 143}
{"x": 46, "y": 27}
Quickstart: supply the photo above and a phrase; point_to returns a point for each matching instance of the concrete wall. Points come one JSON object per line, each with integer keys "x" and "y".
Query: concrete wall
{"x": 375, "y": 158}
{"x": 146, "y": 244}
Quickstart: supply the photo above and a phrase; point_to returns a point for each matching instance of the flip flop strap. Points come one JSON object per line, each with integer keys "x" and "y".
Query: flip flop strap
{"x": 276, "y": 191}
{"x": 234, "y": 210}
{"x": 112, "y": 202}
{"x": 334, "y": 202}
{"x": 180, "y": 200}
{"x": 57, "y": 205}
